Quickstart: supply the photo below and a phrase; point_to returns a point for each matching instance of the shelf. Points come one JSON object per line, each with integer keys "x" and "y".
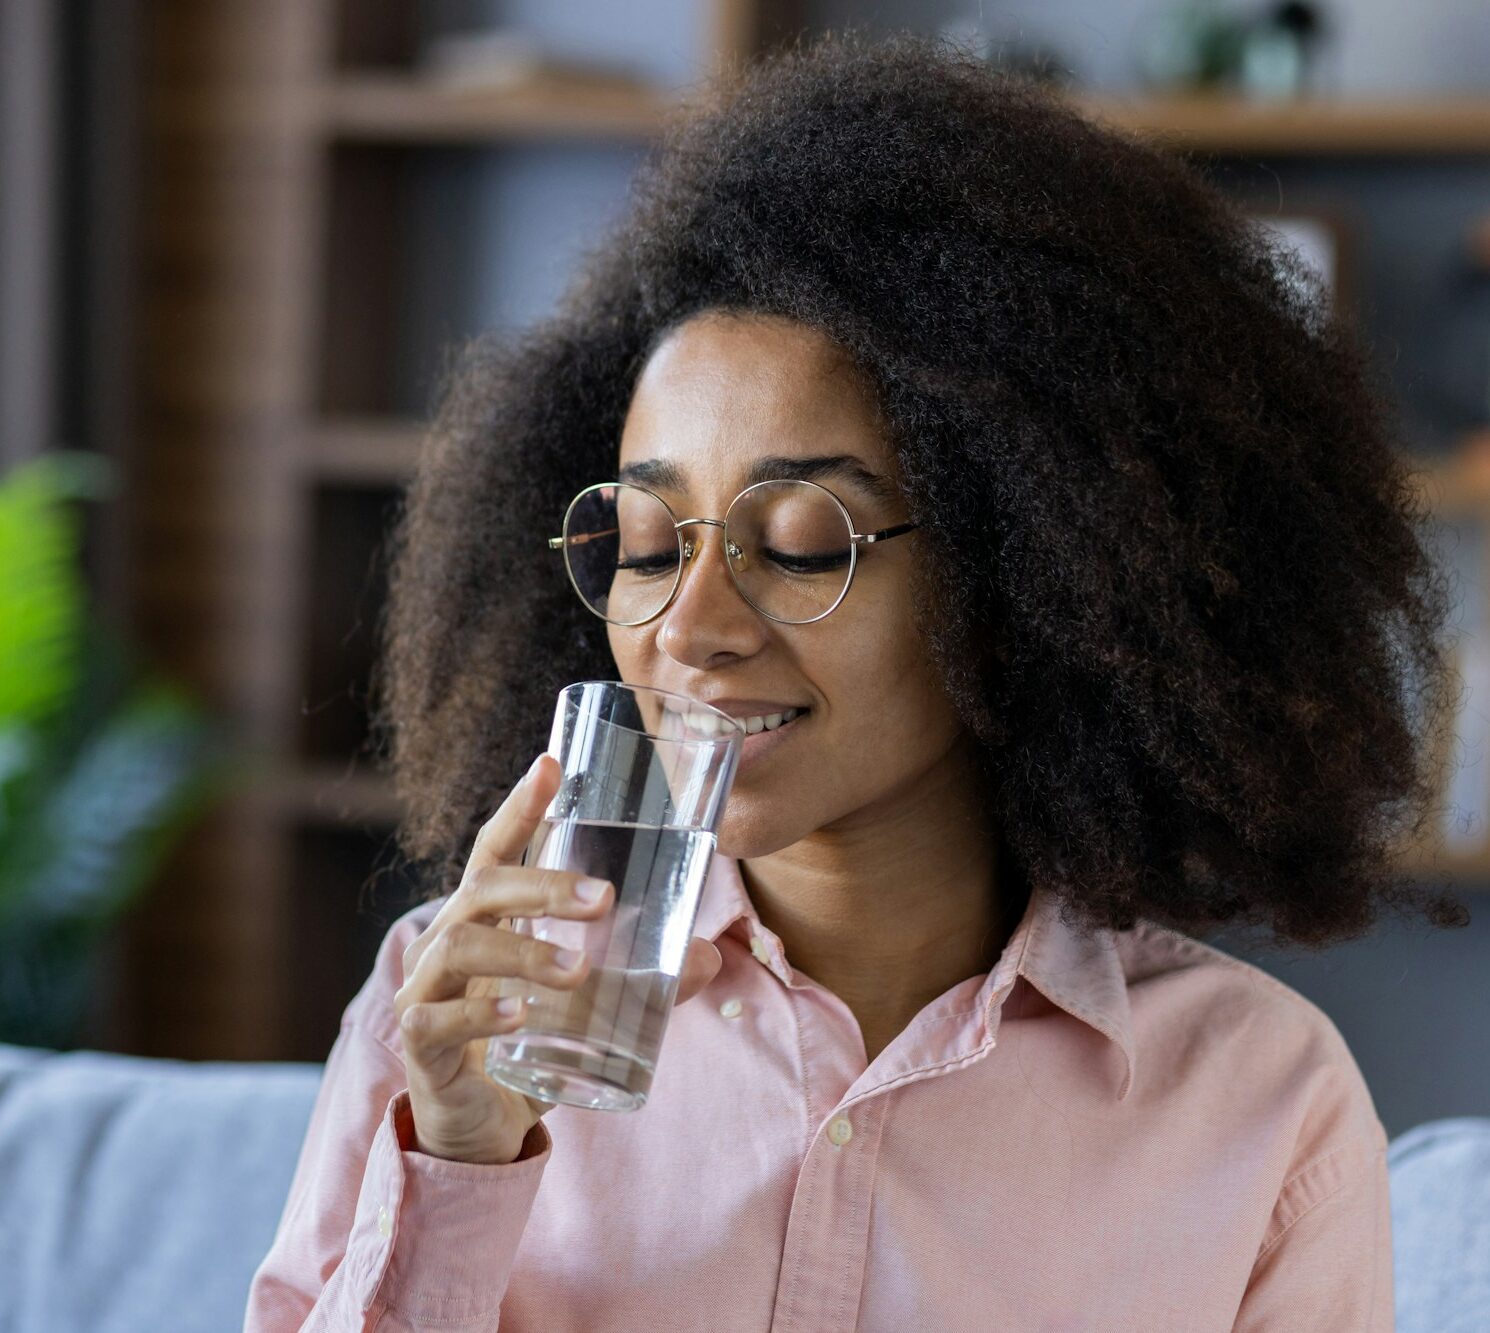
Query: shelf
{"x": 363, "y": 451}
{"x": 403, "y": 108}
{"x": 1466, "y": 870}
{"x": 1223, "y": 123}
{"x": 1459, "y": 482}
{"x": 335, "y": 795}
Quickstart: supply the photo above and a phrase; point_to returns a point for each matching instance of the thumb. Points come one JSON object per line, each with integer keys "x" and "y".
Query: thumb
{"x": 700, "y": 967}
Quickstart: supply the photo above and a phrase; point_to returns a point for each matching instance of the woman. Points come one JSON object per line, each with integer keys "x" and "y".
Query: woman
{"x": 1123, "y": 675}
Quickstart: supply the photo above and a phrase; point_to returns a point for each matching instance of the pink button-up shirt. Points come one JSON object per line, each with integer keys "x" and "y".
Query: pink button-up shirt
{"x": 1127, "y": 1131}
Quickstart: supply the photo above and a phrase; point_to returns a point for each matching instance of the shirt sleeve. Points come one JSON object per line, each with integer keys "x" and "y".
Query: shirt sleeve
{"x": 1326, "y": 1264}
{"x": 375, "y": 1234}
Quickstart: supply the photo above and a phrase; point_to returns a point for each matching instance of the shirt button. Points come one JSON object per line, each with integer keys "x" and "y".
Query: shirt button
{"x": 731, "y": 1008}
{"x": 758, "y": 948}
{"x": 840, "y": 1131}
{"x": 385, "y": 1223}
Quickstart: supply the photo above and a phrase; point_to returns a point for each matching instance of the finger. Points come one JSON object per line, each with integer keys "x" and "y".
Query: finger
{"x": 499, "y": 894}
{"x": 503, "y": 836}
{"x": 436, "y": 1032}
{"x": 470, "y": 949}
{"x": 700, "y": 966}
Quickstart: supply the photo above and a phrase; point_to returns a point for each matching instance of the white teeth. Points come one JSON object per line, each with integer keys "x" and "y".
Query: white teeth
{"x": 708, "y": 725}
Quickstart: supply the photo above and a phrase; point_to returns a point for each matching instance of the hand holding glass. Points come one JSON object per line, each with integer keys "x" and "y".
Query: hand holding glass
{"x": 642, "y": 794}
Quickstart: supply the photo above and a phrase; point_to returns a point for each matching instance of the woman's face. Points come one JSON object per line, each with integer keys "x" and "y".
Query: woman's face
{"x": 719, "y": 393}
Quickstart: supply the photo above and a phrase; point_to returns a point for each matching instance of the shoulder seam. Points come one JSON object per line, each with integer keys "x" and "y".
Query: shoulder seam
{"x": 1294, "y": 1180}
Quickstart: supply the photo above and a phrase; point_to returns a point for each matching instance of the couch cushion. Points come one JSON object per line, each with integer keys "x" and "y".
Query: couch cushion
{"x": 1440, "y": 1174}
{"x": 140, "y": 1194}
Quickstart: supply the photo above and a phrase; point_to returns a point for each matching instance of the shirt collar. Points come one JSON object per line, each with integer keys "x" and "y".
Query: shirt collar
{"x": 1079, "y": 970}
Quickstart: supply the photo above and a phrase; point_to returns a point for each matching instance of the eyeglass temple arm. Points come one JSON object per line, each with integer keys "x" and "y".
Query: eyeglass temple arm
{"x": 884, "y": 534}
{"x": 555, "y": 543}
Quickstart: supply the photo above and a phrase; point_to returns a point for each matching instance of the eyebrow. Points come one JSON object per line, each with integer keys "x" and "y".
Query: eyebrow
{"x": 776, "y": 467}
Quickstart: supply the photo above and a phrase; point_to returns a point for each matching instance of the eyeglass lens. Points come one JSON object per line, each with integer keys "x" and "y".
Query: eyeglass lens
{"x": 788, "y": 544}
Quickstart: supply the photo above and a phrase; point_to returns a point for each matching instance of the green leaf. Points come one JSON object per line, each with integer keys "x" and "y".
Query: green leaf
{"x": 103, "y": 829}
{"x": 43, "y": 595}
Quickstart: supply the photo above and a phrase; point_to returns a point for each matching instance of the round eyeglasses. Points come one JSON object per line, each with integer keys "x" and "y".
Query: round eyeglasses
{"x": 790, "y": 547}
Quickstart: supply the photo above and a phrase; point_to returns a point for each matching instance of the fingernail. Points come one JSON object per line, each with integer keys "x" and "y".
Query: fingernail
{"x": 532, "y": 770}
{"x": 509, "y": 1006}
{"x": 589, "y": 890}
{"x": 566, "y": 958}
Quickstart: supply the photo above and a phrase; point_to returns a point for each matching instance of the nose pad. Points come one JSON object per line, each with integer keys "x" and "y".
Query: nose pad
{"x": 735, "y": 553}
{"x": 735, "y": 562}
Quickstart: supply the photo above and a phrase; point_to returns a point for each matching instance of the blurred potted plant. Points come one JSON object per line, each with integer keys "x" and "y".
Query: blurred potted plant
{"x": 103, "y": 765}
{"x": 1208, "y": 45}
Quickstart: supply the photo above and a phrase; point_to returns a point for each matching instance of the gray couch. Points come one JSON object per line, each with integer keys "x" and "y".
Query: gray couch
{"x": 137, "y": 1196}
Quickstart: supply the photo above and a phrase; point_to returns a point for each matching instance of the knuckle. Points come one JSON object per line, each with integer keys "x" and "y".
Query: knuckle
{"x": 416, "y": 1020}
{"x": 493, "y": 889}
{"x": 549, "y": 886}
{"x": 461, "y": 935}
{"x": 481, "y": 882}
{"x": 455, "y": 940}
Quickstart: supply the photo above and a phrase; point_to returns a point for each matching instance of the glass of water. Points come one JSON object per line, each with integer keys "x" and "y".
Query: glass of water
{"x": 645, "y": 778}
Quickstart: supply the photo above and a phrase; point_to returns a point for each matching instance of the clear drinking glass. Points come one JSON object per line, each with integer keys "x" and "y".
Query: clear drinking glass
{"x": 645, "y": 778}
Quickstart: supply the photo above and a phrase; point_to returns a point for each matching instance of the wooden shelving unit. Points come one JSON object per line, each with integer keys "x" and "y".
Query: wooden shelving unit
{"x": 394, "y": 108}
{"x": 281, "y": 141}
{"x": 1302, "y": 127}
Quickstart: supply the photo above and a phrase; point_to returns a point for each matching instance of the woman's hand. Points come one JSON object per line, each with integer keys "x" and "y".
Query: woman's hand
{"x": 447, "y": 1006}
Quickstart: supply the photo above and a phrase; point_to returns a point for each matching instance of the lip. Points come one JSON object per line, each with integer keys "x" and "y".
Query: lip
{"x": 763, "y": 742}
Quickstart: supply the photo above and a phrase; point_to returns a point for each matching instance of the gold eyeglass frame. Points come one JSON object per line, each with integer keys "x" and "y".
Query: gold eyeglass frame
{"x": 686, "y": 547}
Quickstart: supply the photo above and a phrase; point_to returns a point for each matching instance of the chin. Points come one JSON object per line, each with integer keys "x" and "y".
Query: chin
{"x": 746, "y": 832}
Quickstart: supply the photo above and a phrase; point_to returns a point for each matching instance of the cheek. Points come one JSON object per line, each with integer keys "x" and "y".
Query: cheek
{"x": 880, "y": 682}
{"x": 628, "y": 651}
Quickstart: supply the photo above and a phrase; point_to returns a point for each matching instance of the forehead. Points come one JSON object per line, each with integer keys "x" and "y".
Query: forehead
{"x": 722, "y": 391}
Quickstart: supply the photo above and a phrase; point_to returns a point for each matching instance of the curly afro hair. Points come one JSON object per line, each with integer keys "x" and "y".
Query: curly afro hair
{"x": 1175, "y": 582}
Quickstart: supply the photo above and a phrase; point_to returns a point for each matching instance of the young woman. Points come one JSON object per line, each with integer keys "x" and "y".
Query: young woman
{"x": 1126, "y": 665}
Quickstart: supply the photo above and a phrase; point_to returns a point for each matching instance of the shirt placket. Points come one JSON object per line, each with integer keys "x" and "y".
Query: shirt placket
{"x": 827, "y": 1237}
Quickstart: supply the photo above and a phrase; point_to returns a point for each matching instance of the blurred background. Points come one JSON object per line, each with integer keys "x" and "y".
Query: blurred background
{"x": 237, "y": 238}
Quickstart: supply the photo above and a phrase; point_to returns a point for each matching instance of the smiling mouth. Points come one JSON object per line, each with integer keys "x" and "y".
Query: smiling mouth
{"x": 706, "y": 724}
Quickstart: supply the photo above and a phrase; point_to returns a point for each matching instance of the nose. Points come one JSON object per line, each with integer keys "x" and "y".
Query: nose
{"x": 708, "y": 615}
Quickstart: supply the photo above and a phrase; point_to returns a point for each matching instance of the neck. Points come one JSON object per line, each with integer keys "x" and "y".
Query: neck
{"x": 895, "y": 904}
